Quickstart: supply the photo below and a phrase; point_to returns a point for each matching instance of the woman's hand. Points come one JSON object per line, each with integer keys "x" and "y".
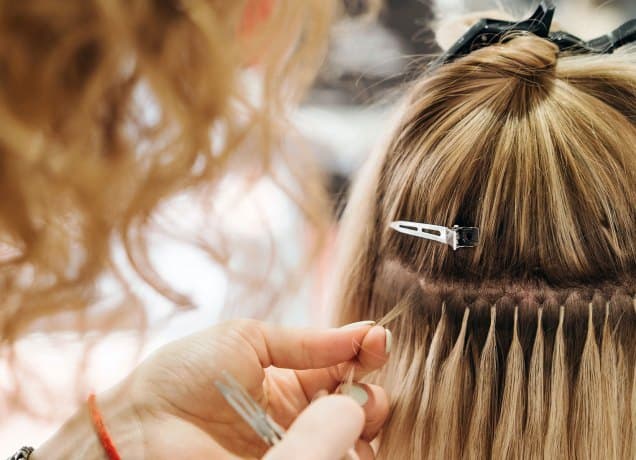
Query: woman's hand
{"x": 169, "y": 407}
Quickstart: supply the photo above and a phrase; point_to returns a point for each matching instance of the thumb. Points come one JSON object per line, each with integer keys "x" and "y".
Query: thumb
{"x": 326, "y": 430}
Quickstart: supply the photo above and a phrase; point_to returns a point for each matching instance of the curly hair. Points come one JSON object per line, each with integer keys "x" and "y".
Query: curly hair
{"x": 109, "y": 107}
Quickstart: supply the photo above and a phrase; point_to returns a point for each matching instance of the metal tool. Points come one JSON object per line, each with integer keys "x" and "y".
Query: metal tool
{"x": 240, "y": 400}
{"x": 244, "y": 405}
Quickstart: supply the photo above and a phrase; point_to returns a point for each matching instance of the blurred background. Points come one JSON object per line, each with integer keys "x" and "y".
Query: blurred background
{"x": 377, "y": 47}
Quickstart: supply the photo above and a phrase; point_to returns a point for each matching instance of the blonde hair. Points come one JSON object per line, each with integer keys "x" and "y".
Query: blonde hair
{"x": 108, "y": 107}
{"x": 525, "y": 346}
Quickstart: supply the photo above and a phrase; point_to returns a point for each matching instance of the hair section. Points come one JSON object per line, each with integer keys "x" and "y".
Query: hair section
{"x": 524, "y": 346}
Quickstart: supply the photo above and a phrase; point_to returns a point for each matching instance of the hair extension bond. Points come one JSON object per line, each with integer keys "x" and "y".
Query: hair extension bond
{"x": 523, "y": 346}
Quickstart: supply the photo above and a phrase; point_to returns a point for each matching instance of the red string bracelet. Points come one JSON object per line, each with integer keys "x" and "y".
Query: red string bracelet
{"x": 100, "y": 428}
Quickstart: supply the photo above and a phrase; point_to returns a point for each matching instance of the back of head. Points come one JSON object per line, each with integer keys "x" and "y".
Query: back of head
{"x": 522, "y": 347}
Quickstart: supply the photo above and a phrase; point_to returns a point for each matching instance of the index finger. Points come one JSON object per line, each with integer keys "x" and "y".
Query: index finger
{"x": 305, "y": 348}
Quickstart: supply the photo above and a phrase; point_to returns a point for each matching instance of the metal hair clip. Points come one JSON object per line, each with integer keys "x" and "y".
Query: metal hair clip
{"x": 456, "y": 237}
{"x": 487, "y": 32}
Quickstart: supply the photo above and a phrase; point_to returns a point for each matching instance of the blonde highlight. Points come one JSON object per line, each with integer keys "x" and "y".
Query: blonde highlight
{"x": 522, "y": 142}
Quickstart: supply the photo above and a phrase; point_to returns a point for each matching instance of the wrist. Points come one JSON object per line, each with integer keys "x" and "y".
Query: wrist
{"x": 77, "y": 438}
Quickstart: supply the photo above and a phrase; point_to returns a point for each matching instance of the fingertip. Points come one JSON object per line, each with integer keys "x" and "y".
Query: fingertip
{"x": 373, "y": 352}
{"x": 339, "y": 410}
{"x": 326, "y": 429}
{"x": 343, "y": 404}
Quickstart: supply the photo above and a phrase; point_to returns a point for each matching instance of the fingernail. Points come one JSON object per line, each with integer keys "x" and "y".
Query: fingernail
{"x": 358, "y": 324}
{"x": 388, "y": 341}
{"x": 355, "y": 392}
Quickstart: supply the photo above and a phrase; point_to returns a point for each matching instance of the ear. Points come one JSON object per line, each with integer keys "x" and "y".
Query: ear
{"x": 448, "y": 31}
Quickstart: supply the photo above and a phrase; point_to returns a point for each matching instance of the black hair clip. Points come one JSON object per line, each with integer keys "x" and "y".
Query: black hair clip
{"x": 487, "y": 32}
